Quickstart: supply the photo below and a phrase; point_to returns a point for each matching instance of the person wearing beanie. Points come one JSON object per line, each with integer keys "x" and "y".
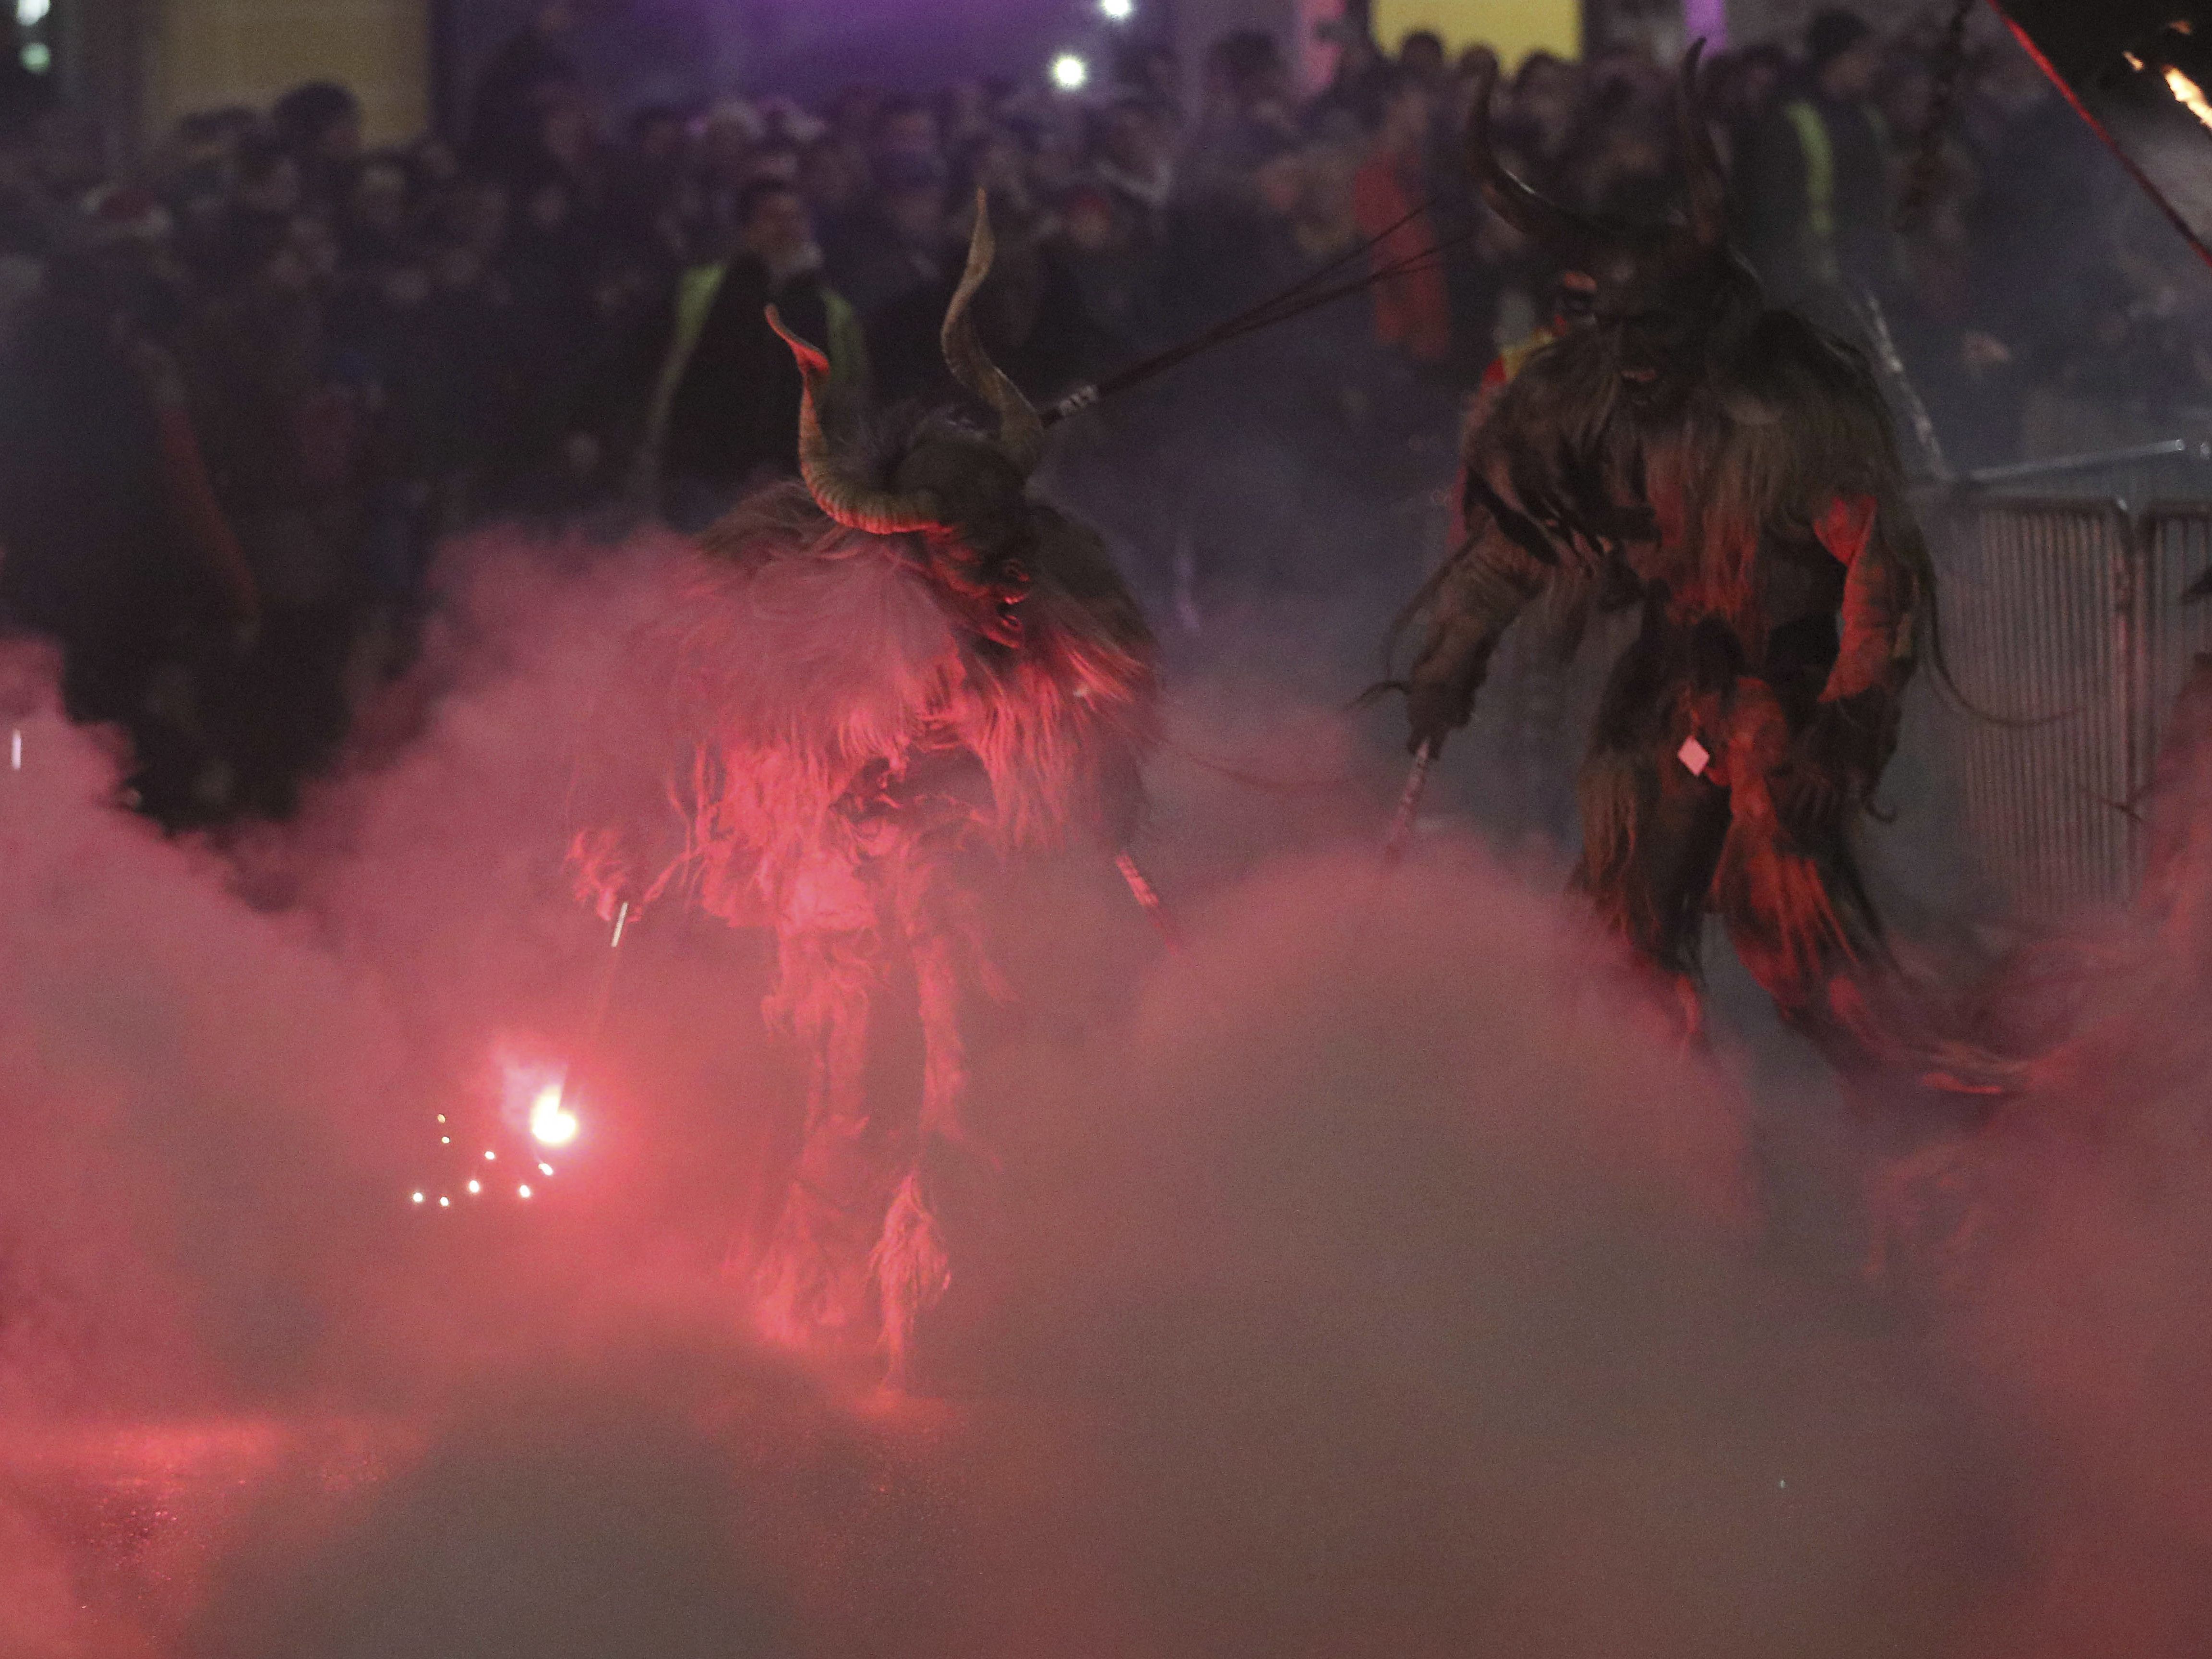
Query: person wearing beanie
{"x": 1813, "y": 187}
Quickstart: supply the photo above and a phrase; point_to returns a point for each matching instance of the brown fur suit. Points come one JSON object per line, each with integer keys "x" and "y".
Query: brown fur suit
{"x": 909, "y": 670}
{"x": 1731, "y": 472}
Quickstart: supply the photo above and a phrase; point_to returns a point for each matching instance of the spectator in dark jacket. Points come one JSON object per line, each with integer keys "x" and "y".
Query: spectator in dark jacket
{"x": 713, "y": 395}
{"x": 318, "y": 126}
{"x": 1814, "y": 180}
{"x": 116, "y": 547}
{"x": 899, "y": 243}
{"x": 507, "y": 114}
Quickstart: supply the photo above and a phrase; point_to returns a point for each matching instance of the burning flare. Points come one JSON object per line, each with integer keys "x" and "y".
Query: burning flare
{"x": 2190, "y": 94}
{"x": 552, "y": 1123}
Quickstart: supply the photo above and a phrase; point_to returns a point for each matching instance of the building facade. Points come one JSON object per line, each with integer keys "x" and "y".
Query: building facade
{"x": 139, "y": 65}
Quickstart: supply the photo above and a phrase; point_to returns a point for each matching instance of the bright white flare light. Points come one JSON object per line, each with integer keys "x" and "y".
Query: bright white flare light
{"x": 1117, "y": 11}
{"x": 522, "y": 1192}
{"x": 418, "y": 1198}
{"x": 1069, "y": 72}
{"x": 2190, "y": 96}
{"x": 476, "y": 1186}
{"x": 549, "y": 1121}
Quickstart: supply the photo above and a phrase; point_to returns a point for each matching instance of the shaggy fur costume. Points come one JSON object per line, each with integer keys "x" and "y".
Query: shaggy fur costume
{"x": 1731, "y": 470}
{"x": 862, "y": 762}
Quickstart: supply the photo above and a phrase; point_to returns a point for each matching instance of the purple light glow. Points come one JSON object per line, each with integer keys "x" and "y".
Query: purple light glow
{"x": 1706, "y": 20}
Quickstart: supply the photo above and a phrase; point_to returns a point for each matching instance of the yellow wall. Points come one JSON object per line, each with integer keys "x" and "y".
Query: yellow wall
{"x": 205, "y": 53}
{"x": 1515, "y": 27}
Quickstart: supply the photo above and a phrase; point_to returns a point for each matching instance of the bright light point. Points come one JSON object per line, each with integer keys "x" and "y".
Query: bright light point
{"x": 1069, "y": 72}
{"x": 545, "y": 1169}
{"x": 418, "y": 1198}
{"x": 476, "y": 1186}
{"x": 490, "y": 1157}
{"x": 549, "y": 1121}
{"x": 445, "y": 1203}
{"x": 31, "y": 12}
{"x": 1117, "y": 11}
{"x": 522, "y": 1192}
{"x": 2190, "y": 94}
{"x": 445, "y": 1141}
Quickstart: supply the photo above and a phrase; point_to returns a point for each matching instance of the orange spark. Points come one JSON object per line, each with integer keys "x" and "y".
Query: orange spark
{"x": 2190, "y": 94}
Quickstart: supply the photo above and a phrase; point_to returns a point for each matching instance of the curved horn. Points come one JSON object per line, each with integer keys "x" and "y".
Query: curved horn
{"x": 845, "y": 497}
{"x": 1021, "y": 434}
{"x": 1701, "y": 163}
{"x": 1525, "y": 209}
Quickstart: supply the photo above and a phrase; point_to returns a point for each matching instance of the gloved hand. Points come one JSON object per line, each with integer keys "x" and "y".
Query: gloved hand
{"x": 1833, "y": 765}
{"x": 1433, "y": 712}
{"x": 599, "y": 867}
{"x": 1810, "y": 801}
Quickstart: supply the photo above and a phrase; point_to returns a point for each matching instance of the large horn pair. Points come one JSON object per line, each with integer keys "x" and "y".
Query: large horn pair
{"x": 1534, "y": 214}
{"x": 837, "y": 488}
{"x": 1021, "y": 434}
{"x": 847, "y": 495}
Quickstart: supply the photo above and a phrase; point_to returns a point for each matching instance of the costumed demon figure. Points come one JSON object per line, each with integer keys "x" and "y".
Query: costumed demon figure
{"x": 912, "y": 670}
{"x": 1732, "y": 470}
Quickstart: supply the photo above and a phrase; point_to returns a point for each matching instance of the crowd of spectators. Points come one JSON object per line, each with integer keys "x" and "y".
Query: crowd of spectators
{"x": 249, "y": 384}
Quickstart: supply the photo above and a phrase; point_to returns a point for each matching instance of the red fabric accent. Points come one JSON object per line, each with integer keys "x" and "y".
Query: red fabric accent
{"x": 1412, "y": 310}
{"x": 1846, "y": 528}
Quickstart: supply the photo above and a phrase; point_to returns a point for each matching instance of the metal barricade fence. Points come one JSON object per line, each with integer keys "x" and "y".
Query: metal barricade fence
{"x": 2063, "y": 620}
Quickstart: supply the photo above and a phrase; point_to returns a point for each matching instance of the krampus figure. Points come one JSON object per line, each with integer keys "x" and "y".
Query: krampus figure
{"x": 1732, "y": 470}
{"x": 913, "y": 670}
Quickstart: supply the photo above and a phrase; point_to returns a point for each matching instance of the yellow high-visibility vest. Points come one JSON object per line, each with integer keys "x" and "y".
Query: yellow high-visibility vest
{"x": 1821, "y": 182}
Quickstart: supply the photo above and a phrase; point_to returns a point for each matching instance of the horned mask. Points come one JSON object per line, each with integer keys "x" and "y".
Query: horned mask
{"x": 961, "y": 493}
{"x": 1664, "y": 283}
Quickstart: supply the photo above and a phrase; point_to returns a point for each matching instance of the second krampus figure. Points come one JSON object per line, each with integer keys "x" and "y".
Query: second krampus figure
{"x": 1731, "y": 472}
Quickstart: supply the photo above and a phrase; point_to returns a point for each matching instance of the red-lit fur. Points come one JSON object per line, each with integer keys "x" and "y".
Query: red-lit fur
{"x": 861, "y": 760}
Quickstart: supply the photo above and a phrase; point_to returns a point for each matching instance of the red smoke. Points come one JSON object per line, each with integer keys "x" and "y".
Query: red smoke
{"x": 1375, "y": 1276}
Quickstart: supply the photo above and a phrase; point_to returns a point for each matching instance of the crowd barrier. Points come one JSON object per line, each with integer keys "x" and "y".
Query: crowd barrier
{"x": 2066, "y": 635}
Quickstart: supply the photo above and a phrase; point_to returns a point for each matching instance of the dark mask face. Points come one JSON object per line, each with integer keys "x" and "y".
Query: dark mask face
{"x": 1663, "y": 291}
{"x": 983, "y": 560}
{"x": 1662, "y": 288}
{"x": 985, "y": 586}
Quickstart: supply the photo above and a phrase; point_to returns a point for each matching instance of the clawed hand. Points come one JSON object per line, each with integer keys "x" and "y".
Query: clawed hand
{"x": 1809, "y": 799}
{"x": 1432, "y": 713}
